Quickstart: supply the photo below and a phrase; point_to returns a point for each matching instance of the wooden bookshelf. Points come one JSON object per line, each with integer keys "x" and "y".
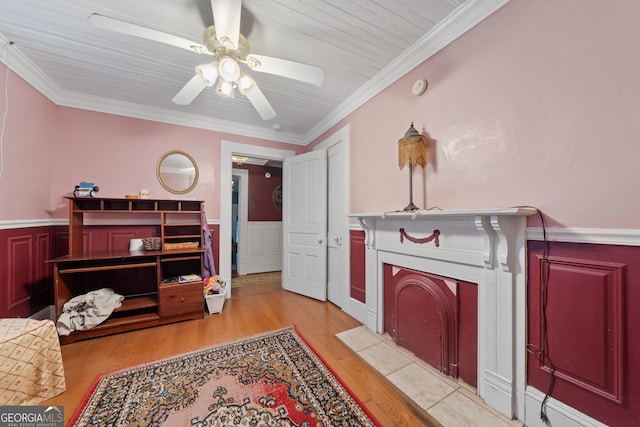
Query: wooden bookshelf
{"x": 127, "y": 272}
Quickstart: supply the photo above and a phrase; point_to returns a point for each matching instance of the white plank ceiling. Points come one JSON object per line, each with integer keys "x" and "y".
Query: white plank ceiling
{"x": 362, "y": 45}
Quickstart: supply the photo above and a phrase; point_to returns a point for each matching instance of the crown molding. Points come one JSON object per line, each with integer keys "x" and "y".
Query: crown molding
{"x": 460, "y": 21}
{"x": 128, "y": 109}
{"x": 27, "y": 70}
{"x": 21, "y": 65}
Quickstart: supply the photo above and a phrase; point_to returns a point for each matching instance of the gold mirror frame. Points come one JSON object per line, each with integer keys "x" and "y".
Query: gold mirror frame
{"x": 170, "y": 186}
{"x": 276, "y": 197}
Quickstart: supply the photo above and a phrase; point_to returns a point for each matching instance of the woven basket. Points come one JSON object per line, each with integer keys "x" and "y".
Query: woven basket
{"x": 152, "y": 243}
{"x": 181, "y": 245}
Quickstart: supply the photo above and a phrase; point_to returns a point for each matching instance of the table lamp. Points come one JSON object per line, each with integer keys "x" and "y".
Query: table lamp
{"x": 412, "y": 150}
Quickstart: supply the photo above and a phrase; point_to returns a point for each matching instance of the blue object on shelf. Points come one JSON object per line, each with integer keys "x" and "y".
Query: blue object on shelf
{"x": 85, "y": 189}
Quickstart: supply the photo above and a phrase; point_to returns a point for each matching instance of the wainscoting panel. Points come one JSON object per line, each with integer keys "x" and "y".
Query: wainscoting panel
{"x": 120, "y": 239}
{"x": 25, "y": 278}
{"x": 42, "y": 292}
{"x": 102, "y": 238}
{"x": 589, "y": 315}
{"x": 20, "y": 252}
{"x": 264, "y": 251}
{"x": 357, "y": 273}
{"x": 60, "y": 237}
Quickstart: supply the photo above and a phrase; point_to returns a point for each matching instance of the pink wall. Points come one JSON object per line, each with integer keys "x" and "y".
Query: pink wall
{"x": 120, "y": 155}
{"x": 47, "y": 150}
{"x": 537, "y": 105}
{"x": 26, "y": 150}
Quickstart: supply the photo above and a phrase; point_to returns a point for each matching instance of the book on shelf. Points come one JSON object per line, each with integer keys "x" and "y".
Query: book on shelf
{"x": 186, "y": 278}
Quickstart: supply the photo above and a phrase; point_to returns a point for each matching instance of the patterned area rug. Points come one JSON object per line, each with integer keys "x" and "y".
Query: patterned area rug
{"x": 269, "y": 380}
{"x": 255, "y": 279}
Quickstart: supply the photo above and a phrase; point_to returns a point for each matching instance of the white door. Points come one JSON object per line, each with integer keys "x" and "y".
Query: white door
{"x": 338, "y": 254}
{"x": 304, "y": 222}
{"x": 337, "y": 251}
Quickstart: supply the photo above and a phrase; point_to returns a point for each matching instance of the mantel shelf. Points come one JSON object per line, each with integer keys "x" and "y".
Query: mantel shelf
{"x": 432, "y": 214}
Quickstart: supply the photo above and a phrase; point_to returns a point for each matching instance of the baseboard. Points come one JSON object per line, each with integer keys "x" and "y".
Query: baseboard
{"x": 260, "y": 268}
{"x": 498, "y": 392}
{"x": 356, "y": 309}
{"x": 559, "y": 414}
{"x": 47, "y": 313}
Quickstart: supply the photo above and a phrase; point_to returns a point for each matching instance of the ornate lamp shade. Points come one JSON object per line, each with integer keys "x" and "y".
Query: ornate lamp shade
{"x": 412, "y": 151}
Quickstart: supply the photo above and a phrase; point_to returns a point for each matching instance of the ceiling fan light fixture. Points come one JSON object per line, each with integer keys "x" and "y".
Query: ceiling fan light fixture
{"x": 227, "y": 42}
{"x": 228, "y": 48}
{"x": 225, "y": 89}
{"x": 245, "y": 83}
{"x": 208, "y": 73}
{"x": 253, "y": 62}
{"x": 229, "y": 69}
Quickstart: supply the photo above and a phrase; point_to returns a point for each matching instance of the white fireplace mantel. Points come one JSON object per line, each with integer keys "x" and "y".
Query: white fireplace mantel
{"x": 483, "y": 246}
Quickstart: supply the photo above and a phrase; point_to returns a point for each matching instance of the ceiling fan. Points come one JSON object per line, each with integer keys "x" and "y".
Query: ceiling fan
{"x": 229, "y": 50}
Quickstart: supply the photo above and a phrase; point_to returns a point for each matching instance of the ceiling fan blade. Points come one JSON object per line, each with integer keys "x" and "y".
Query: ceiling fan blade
{"x": 226, "y": 16}
{"x": 124, "y": 27}
{"x": 188, "y": 93}
{"x": 261, "y": 104}
{"x": 283, "y": 67}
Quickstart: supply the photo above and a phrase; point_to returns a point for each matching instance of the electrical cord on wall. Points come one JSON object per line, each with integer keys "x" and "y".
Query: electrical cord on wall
{"x": 541, "y": 351}
{"x": 6, "y": 104}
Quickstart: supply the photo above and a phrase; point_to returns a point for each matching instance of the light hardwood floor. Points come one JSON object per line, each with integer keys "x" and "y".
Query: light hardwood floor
{"x": 251, "y": 310}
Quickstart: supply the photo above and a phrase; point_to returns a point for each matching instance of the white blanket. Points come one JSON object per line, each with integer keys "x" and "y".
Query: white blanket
{"x": 88, "y": 310}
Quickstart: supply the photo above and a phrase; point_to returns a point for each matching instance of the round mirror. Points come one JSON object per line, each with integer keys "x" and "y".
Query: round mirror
{"x": 277, "y": 197}
{"x": 177, "y": 172}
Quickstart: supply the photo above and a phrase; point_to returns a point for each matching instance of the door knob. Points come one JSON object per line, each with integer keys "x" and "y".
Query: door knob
{"x": 320, "y": 240}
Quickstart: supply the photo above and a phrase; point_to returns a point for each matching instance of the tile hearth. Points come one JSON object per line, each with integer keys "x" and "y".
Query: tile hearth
{"x": 450, "y": 402}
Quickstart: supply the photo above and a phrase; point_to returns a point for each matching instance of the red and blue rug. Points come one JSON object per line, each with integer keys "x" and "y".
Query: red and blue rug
{"x": 274, "y": 379}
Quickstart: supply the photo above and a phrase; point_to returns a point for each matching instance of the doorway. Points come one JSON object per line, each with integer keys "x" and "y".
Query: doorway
{"x": 338, "y": 264}
{"x": 239, "y": 219}
{"x": 228, "y": 149}
{"x": 256, "y": 219}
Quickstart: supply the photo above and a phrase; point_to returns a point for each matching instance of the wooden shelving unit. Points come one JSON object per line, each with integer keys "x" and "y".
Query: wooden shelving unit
{"x": 141, "y": 276}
